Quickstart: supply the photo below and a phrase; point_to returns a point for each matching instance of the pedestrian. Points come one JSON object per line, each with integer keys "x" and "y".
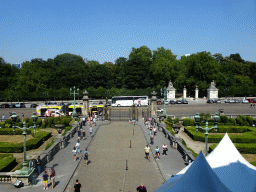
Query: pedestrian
{"x": 78, "y": 147}
{"x": 141, "y": 188}
{"x": 165, "y": 149}
{"x": 52, "y": 177}
{"x": 77, "y": 186}
{"x": 147, "y": 149}
{"x": 3, "y": 116}
{"x": 38, "y": 164}
{"x": 150, "y": 130}
{"x": 151, "y": 139}
{"x": 94, "y": 121}
{"x": 157, "y": 152}
{"x": 154, "y": 130}
{"x": 79, "y": 134}
{"x": 45, "y": 179}
{"x": 83, "y": 121}
{"x": 86, "y": 156}
{"x": 84, "y": 134}
{"x": 91, "y": 130}
{"x": 74, "y": 153}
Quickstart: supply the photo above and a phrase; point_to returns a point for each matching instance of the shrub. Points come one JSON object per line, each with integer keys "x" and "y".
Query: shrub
{"x": 223, "y": 119}
{"x": 26, "y": 119}
{"x": 188, "y": 122}
{"x": 18, "y": 120}
{"x": 169, "y": 119}
{"x": 176, "y": 120}
{"x": 239, "y": 121}
{"x": 43, "y": 125}
{"x": 7, "y": 162}
{"x": 39, "y": 122}
{"x": 9, "y": 131}
{"x": 2, "y": 124}
{"x": 30, "y": 123}
{"x": 249, "y": 120}
{"x": 66, "y": 129}
{"x": 243, "y": 118}
{"x": 50, "y": 122}
{"x": 8, "y": 123}
{"x": 232, "y": 121}
{"x": 49, "y": 145}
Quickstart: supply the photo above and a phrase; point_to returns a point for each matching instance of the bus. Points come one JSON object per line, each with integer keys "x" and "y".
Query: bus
{"x": 66, "y": 109}
{"x": 119, "y": 101}
{"x": 96, "y": 109}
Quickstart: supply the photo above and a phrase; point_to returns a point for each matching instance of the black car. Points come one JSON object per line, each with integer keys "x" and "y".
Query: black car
{"x": 33, "y": 105}
{"x": 217, "y": 101}
{"x": 178, "y": 102}
{"x": 184, "y": 101}
{"x": 209, "y": 101}
{"x": 12, "y": 105}
{"x": 5, "y": 105}
{"x": 172, "y": 102}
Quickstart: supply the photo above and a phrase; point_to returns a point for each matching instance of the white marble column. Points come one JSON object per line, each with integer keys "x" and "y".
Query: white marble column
{"x": 196, "y": 93}
{"x": 184, "y": 92}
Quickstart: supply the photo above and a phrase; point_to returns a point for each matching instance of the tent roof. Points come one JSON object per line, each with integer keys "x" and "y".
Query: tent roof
{"x": 199, "y": 177}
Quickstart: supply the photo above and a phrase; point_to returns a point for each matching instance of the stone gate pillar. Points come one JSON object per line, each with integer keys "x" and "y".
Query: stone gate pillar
{"x": 85, "y": 104}
{"x": 153, "y": 104}
{"x": 171, "y": 93}
{"x": 212, "y": 91}
{"x": 196, "y": 93}
{"x": 184, "y": 92}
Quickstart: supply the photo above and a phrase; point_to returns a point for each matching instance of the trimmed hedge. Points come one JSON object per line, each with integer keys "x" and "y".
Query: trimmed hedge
{"x": 223, "y": 129}
{"x": 7, "y": 162}
{"x": 188, "y": 122}
{"x": 243, "y": 148}
{"x": 49, "y": 144}
{"x": 34, "y": 143}
{"x": 246, "y": 137}
{"x": 9, "y": 131}
{"x": 66, "y": 130}
{"x": 169, "y": 128}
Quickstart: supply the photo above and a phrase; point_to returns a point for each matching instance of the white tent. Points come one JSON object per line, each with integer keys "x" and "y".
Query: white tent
{"x": 198, "y": 178}
{"x": 230, "y": 166}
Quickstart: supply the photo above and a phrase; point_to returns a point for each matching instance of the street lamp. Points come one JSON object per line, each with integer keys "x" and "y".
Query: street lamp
{"x": 25, "y": 167}
{"x": 207, "y": 129}
{"x": 164, "y": 92}
{"x": 74, "y": 110}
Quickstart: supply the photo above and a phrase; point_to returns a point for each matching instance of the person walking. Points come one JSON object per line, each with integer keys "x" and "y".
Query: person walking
{"x": 86, "y": 156}
{"x": 3, "y": 116}
{"x": 83, "y": 121}
{"x": 74, "y": 153}
{"x": 77, "y": 186}
{"x": 147, "y": 150}
{"x": 45, "y": 179}
{"x": 151, "y": 139}
{"x": 154, "y": 130}
{"x": 52, "y": 177}
{"x": 141, "y": 188}
{"x": 91, "y": 130}
{"x": 94, "y": 121}
{"x": 84, "y": 134}
{"x": 38, "y": 164}
{"x": 78, "y": 147}
{"x": 157, "y": 152}
{"x": 79, "y": 134}
{"x": 165, "y": 149}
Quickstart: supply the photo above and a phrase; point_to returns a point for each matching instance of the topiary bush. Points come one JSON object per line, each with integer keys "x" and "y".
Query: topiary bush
{"x": 223, "y": 119}
{"x": 26, "y": 119}
{"x": 249, "y": 120}
{"x": 169, "y": 119}
{"x": 232, "y": 121}
{"x": 39, "y": 122}
{"x": 243, "y": 118}
{"x": 176, "y": 120}
{"x": 188, "y": 122}
{"x": 239, "y": 121}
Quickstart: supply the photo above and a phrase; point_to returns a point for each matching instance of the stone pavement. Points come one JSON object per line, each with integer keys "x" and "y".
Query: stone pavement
{"x": 170, "y": 164}
{"x": 108, "y": 153}
{"x": 63, "y": 164}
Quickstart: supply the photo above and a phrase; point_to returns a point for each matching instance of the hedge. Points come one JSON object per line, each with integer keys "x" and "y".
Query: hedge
{"x": 246, "y": 137}
{"x": 223, "y": 129}
{"x": 169, "y": 128}
{"x": 188, "y": 122}
{"x": 49, "y": 145}
{"x": 243, "y": 148}
{"x": 7, "y": 162}
{"x": 34, "y": 143}
{"x": 9, "y": 131}
{"x": 66, "y": 130}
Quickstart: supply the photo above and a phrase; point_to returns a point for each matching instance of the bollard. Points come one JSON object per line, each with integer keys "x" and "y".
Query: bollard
{"x": 126, "y": 165}
{"x": 130, "y": 143}
{"x": 133, "y": 131}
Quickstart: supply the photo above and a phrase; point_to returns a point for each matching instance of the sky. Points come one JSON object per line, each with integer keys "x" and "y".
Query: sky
{"x": 104, "y": 30}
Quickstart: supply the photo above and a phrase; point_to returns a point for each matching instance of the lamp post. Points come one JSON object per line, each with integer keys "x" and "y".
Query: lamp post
{"x": 207, "y": 129}
{"x": 164, "y": 92}
{"x": 25, "y": 167}
{"x": 74, "y": 110}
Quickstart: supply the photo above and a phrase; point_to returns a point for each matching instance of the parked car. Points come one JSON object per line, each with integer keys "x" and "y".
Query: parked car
{"x": 245, "y": 101}
{"x": 209, "y": 101}
{"x": 160, "y": 110}
{"x": 251, "y": 100}
{"x": 20, "y": 105}
{"x": 178, "y": 102}
{"x": 166, "y": 102}
{"x": 12, "y": 105}
{"x": 159, "y": 103}
{"x": 5, "y": 105}
{"x": 172, "y": 102}
{"x": 238, "y": 101}
{"x": 230, "y": 101}
{"x": 184, "y": 101}
{"x": 217, "y": 101}
{"x": 100, "y": 102}
{"x": 33, "y": 105}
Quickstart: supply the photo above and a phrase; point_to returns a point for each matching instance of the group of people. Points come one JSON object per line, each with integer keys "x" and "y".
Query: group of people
{"x": 152, "y": 133}
{"x": 46, "y": 176}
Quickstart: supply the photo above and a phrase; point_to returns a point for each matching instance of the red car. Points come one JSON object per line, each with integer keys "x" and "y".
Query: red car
{"x": 251, "y": 100}
{"x": 159, "y": 103}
